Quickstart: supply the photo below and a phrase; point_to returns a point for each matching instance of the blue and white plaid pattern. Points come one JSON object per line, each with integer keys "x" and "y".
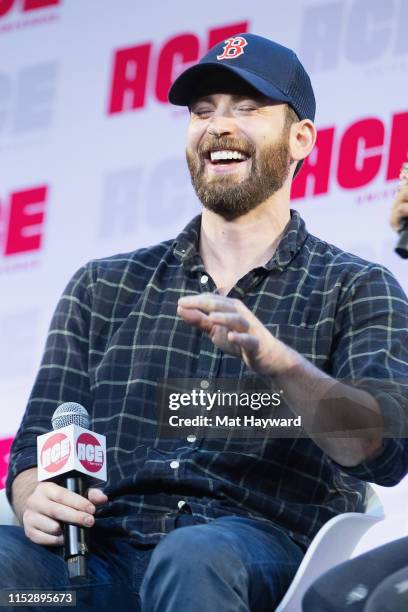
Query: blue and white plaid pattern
{"x": 115, "y": 333}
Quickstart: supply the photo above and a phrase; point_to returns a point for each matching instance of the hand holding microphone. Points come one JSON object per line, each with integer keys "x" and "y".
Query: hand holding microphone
{"x": 51, "y": 504}
{"x": 68, "y": 457}
{"x": 399, "y": 214}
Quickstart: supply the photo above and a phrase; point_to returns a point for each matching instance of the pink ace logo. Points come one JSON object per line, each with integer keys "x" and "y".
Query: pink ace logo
{"x": 55, "y": 452}
{"x": 89, "y": 452}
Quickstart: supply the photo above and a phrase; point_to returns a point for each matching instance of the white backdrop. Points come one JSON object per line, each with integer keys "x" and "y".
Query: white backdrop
{"x": 92, "y": 161}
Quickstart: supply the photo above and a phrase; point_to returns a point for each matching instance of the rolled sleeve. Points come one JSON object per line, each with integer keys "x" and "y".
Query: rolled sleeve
{"x": 371, "y": 353}
{"x": 385, "y": 467}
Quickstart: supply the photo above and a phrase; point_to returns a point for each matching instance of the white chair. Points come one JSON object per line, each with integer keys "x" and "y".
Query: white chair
{"x": 7, "y": 516}
{"x": 333, "y": 544}
{"x": 348, "y": 535}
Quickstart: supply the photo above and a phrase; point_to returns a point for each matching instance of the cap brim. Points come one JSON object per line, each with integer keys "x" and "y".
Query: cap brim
{"x": 183, "y": 88}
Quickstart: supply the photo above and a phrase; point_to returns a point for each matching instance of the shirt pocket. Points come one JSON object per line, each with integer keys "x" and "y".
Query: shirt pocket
{"x": 313, "y": 343}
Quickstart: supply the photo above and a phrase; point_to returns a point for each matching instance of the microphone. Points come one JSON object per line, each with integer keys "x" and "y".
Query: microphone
{"x": 71, "y": 455}
{"x": 402, "y": 246}
{"x": 76, "y": 539}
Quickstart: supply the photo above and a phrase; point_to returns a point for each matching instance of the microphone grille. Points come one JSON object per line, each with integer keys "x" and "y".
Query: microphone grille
{"x": 70, "y": 413}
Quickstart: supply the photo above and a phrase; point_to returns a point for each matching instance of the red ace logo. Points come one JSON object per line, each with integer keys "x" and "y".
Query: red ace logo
{"x": 5, "y": 445}
{"x": 234, "y": 47}
{"x": 55, "y": 452}
{"x": 147, "y": 70}
{"x": 89, "y": 452}
{"x": 22, "y": 217}
{"x": 25, "y": 5}
{"x": 361, "y": 151}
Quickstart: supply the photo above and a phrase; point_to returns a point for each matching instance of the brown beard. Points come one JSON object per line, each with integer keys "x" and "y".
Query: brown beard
{"x": 229, "y": 198}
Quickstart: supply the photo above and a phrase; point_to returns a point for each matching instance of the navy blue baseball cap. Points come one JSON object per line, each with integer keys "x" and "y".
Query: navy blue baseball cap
{"x": 272, "y": 69}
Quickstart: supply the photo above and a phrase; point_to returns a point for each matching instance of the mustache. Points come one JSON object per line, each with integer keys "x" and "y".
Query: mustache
{"x": 224, "y": 142}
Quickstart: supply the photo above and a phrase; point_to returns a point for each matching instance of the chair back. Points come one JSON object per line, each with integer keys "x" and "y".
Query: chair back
{"x": 7, "y": 516}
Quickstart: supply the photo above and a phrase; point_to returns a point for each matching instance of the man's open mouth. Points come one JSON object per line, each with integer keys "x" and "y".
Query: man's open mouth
{"x": 226, "y": 157}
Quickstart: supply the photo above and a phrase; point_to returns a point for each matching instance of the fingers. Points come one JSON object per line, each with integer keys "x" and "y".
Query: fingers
{"x": 45, "y": 524}
{"x": 209, "y": 302}
{"x": 97, "y": 497}
{"x": 42, "y": 529}
{"x": 403, "y": 193}
{"x": 52, "y": 492}
{"x": 221, "y": 311}
{"x": 234, "y": 321}
{"x": 51, "y": 504}
{"x": 195, "y": 317}
{"x": 250, "y": 344}
{"x": 39, "y": 537}
{"x": 399, "y": 209}
{"x": 67, "y": 514}
{"x": 206, "y": 309}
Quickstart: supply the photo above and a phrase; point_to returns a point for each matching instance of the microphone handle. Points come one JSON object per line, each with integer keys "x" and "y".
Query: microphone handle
{"x": 76, "y": 539}
{"x": 402, "y": 246}
{"x": 404, "y": 226}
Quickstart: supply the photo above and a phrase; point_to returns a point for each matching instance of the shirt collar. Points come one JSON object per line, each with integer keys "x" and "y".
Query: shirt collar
{"x": 185, "y": 246}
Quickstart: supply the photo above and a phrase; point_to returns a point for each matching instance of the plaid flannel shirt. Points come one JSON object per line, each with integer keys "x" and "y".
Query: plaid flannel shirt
{"x": 115, "y": 333}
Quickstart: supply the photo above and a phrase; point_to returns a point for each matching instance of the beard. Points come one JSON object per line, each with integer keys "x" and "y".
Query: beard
{"x": 226, "y": 195}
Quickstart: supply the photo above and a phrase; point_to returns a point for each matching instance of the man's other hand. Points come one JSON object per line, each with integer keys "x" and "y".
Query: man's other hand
{"x": 399, "y": 208}
{"x": 235, "y": 330}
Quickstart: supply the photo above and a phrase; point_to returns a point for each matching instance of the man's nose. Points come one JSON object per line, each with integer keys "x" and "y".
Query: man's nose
{"x": 220, "y": 125}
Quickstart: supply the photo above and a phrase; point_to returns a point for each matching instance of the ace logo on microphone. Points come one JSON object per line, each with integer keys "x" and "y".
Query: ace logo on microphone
{"x": 90, "y": 452}
{"x": 71, "y": 449}
{"x": 55, "y": 452}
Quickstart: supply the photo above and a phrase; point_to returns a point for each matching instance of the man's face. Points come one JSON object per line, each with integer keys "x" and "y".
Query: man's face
{"x": 237, "y": 151}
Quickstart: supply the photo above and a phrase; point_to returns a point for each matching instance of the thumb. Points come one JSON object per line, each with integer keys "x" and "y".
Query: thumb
{"x": 97, "y": 496}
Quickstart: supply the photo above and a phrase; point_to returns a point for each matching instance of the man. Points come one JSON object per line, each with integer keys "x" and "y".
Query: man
{"x": 207, "y": 523}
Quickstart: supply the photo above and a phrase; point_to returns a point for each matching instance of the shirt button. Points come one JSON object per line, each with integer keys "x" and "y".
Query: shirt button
{"x": 204, "y": 279}
{"x": 174, "y": 465}
{"x": 181, "y": 503}
{"x": 191, "y": 438}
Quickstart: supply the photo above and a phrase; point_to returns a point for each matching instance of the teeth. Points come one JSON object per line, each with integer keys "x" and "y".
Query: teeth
{"x": 219, "y": 155}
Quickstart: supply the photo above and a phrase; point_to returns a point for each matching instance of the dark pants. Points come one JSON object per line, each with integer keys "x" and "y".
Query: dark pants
{"x": 231, "y": 564}
{"x": 374, "y": 582}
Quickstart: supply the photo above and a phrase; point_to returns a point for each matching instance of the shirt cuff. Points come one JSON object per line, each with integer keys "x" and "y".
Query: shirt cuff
{"x": 386, "y": 468}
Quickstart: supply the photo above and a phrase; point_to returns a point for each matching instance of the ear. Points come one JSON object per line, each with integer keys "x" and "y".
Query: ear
{"x": 302, "y": 139}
